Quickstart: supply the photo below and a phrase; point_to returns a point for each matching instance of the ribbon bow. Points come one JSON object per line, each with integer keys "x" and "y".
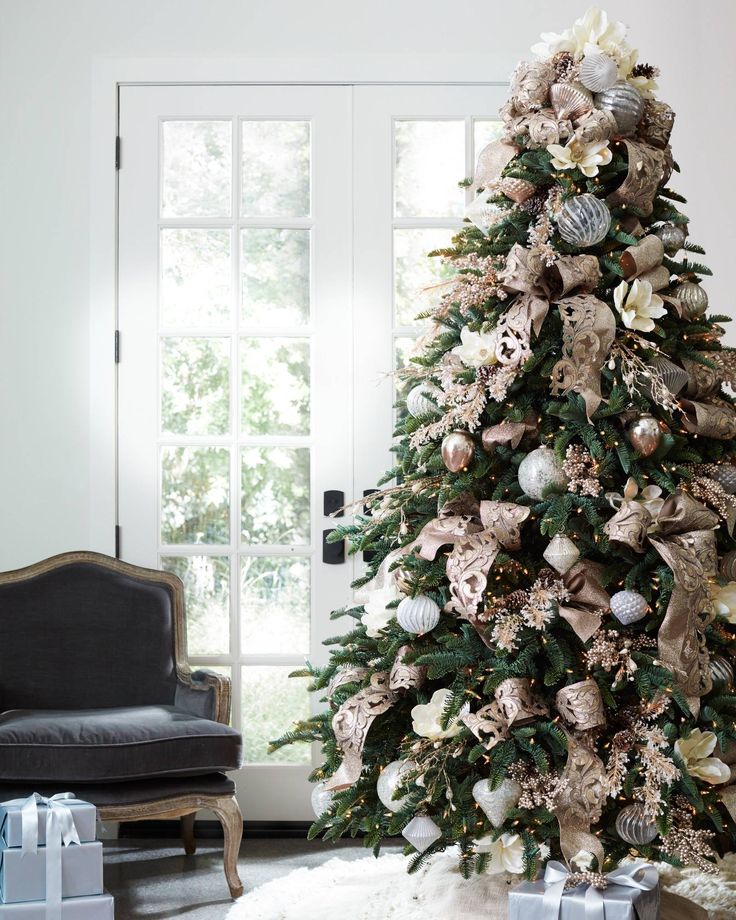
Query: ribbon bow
{"x": 586, "y": 599}
{"x": 684, "y": 537}
{"x": 60, "y": 831}
{"x": 639, "y": 875}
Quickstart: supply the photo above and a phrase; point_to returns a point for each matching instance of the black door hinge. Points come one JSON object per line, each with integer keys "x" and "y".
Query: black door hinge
{"x": 117, "y": 541}
{"x": 117, "y": 346}
{"x": 117, "y": 152}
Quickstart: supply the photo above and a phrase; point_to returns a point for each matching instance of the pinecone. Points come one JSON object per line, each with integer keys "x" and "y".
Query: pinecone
{"x": 649, "y": 71}
{"x": 564, "y": 65}
{"x": 535, "y": 205}
{"x": 516, "y": 600}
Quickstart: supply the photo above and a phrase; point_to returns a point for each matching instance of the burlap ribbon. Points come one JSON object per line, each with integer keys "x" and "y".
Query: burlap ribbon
{"x": 580, "y": 801}
{"x": 684, "y": 537}
{"x": 586, "y": 600}
{"x": 492, "y": 160}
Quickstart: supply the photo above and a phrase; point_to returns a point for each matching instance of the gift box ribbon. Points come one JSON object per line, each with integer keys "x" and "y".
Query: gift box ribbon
{"x": 60, "y": 832}
{"x": 638, "y": 874}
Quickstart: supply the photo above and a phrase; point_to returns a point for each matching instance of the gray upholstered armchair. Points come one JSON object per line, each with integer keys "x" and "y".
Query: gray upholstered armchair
{"x": 96, "y": 697}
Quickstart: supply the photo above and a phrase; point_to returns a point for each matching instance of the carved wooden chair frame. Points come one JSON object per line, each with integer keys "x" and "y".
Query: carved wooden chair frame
{"x": 184, "y": 807}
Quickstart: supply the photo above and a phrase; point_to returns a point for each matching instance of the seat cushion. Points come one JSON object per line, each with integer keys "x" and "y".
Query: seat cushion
{"x": 112, "y": 745}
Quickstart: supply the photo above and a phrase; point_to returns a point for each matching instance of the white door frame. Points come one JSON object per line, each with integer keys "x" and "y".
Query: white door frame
{"x": 107, "y": 77}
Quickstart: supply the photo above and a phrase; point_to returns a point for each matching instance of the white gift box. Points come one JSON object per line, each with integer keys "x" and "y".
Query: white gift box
{"x": 11, "y": 822}
{"x": 23, "y": 877}
{"x": 101, "y": 907}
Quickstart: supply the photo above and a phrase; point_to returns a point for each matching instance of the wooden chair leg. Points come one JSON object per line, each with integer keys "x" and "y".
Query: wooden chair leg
{"x": 187, "y": 833}
{"x": 231, "y": 818}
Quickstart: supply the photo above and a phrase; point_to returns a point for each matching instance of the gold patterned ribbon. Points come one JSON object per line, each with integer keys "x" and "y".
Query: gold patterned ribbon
{"x": 644, "y": 175}
{"x": 684, "y": 537}
{"x": 710, "y": 420}
{"x": 514, "y": 704}
{"x": 580, "y": 801}
{"x": 586, "y": 600}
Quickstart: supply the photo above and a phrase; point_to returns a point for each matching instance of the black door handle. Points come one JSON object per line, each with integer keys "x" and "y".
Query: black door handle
{"x": 332, "y": 553}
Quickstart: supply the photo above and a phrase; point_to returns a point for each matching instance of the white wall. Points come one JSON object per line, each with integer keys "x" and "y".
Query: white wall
{"x": 47, "y": 52}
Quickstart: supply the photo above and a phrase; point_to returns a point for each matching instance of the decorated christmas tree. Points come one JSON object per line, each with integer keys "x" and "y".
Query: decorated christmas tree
{"x": 540, "y": 662}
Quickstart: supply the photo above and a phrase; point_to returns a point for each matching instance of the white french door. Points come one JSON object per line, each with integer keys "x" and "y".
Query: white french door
{"x": 271, "y": 260}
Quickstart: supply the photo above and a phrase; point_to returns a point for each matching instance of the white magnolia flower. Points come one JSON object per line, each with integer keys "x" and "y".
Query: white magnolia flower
{"x": 507, "y": 853}
{"x": 724, "y": 601}
{"x": 585, "y": 157}
{"x": 592, "y": 32}
{"x": 377, "y": 612}
{"x": 650, "y": 497}
{"x": 695, "y": 750}
{"x": 477, "y": 349}
{"x": 427, "y": 718}
{"x": 638, "y": 305}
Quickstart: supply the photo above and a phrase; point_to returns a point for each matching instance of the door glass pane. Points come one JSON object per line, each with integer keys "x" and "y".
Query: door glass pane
{"x": 195, "y": 386}
{"x": 195, "y": 278}
{"x": 207, "y": 595}
{"x": 429, "y": 162}
{"x": 196, "y": 169}
{"x": 271, "y": 703}
{"x": 274, "y": 386}
{"x": 414, "y": 272}
{"x": 275, "y": 169}
{"x": 195, "y": 495}
{"x": 275, "y": 495}
{"x": 274, "y": 604}
{"x": 275, "y": 277}
{"x": 485, "y": 131}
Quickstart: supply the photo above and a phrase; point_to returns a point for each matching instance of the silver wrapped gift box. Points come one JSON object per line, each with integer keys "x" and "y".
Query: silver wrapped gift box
{"x": 100, "y": 907}
{"x": 83, "y": 814}
{"x": 23, "y": 876}
{"x": 632, "y": 893}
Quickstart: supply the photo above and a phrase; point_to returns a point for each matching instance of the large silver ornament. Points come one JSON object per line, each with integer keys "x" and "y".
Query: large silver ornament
{"x": 421, "y": 832}
{"x": 420, "y": 400}
{"x": 721, "y": 671}
{"x": 497, "y": 803}
{"x": 725, "y": 474}
{"x": 634, "y": 826}
{"x": 418, "y": 614}
{"x": 321, "y": 799}
{"x": 673, "y": 237}
{"x": 389, "y": 781}
{"x": 645, "y": 435}
{"x": 583, "y": 220}
{"x": 693, "y": 298}
{"x": 457, "y": 450}
{"x": 629, "y": 607}
{"x": 561, "y": 553}
{"x": 541, "y": 471}
{"x": 598, "y": 72}
{"x": 625, "y": 103}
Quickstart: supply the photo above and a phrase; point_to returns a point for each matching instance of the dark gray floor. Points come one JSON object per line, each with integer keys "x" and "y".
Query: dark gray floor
{"x": 154, "y": 879}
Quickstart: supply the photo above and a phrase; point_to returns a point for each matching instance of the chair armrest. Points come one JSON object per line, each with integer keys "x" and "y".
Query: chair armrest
{"x": 204, "y": 693}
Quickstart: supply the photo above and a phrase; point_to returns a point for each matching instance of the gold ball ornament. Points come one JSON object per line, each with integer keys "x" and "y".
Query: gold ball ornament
{"x": 693, "y": 299}
{"x": 458, "y": 448}
{"x": 645, "y": 435}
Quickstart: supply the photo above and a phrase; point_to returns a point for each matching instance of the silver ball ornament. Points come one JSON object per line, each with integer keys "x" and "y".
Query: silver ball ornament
{"x": 673, "y": 237}
{"x": 540, "y": 472}
{"x": 497, "y": 803}
{"x": 418, "y": 615}
{"x": 721, "y": 671}
{"x": 625, "y": 103}
{"x": 634, "y": 826}
{"x": 389, "y": 781}
{"x": 645, "y": 435}
{"x": 629, "y": 607}
{"x": 421, "y": 832}
{"x": 457, "y": 450}
{"x": 321, "y": 799}
{"x": 693, "y": 299}
{"x": 583, "y": 220}
{"x": 419, "y": 401}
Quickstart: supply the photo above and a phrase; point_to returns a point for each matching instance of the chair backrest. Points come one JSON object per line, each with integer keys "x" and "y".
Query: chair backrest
{"x": 86, "y": 631}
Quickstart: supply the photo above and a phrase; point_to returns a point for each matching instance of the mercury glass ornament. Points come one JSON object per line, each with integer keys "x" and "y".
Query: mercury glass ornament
{"x": 629, "y": 607}
{"x": 693, "y": 298}
{"x": 645, "y": 435}
{"x": 634, "y": 826}
{"x": 421, "y": 832}
{"x": 457, "y": 450}
{"x": 625, "y": 103}
{"x": 727, "y": 568}
{"x": 673, "y": 237}
{"x": 583, "y": 220}
{"x": 389, "y": 781}
{"x": 321, "y": 799}
{"x": 598, "y": 72}
{"x": 518, "y": 190}
{"x": 561, "y": 553}
{"x": 418, "y": 615}
{"x": 497, "y": 803}
{"x": 721, "y": 671}
{"x": 418, "y": 403}
{"x": 725, "y": 474}
{"x": 541, "y": 471}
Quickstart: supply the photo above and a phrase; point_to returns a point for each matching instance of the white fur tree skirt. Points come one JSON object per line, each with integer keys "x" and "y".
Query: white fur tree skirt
{"x": 381, "y": 889}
